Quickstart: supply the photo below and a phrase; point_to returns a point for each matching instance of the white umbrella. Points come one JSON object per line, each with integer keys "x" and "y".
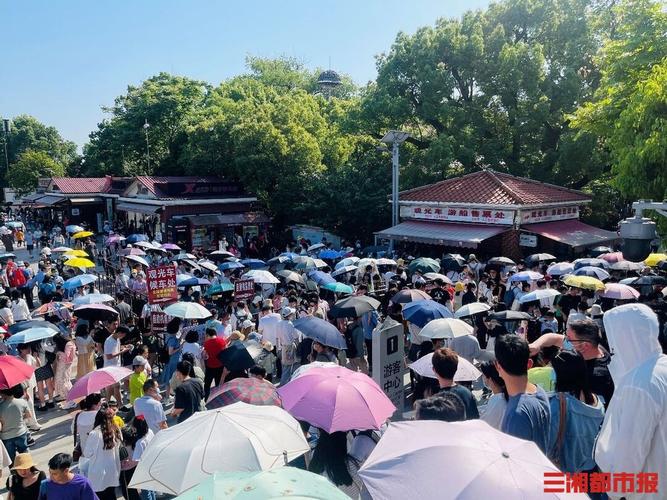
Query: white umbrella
{"x": 366, "y": 262}
{"x": 93, "y": 298}
{"x": 187, "y": 310}
{"x": 343, "y": 270}
{"x": 290, "y": 276}
{"x": 145, "y": 244}
{"x": 385, "y": 262}
{"x": 436, "y": 276}
{"x": 262, "y": 277}
{"x": 138, "y": 259}
{"x": 314, "y": 247}
{"x": 208, "y": 265}
{"x": 445, "y": 328}
{"x": 525, "y": 276}
{"x": 546, "y": 294}
{"x": 319, "y": 263}
{"x": 560, "y": 268}
{"x": 414, "y": 459}
{"x": 348, "y": 261}
{"x": 470, "y": 309}
{"x": 626, "y": 265}
{"x": 465, "y": 370}
{"x": 235, "y": 438}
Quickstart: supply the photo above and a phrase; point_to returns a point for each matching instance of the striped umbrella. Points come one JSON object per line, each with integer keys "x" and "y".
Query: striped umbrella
{"x": 249, "y": 390}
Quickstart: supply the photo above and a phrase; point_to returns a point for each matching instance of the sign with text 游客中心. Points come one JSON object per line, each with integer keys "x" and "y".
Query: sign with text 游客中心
{"x": 389, "y": 364}
{"x": 161, "y": 284}
{"x": 244, "y": 289}
{"x": 459, "y": 214}
{"x": 549, "y": 214}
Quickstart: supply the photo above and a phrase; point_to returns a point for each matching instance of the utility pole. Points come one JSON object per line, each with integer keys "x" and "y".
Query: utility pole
{"x": 148, "y": 154}
{"x": 5, "y": 128}
{"x": 395, "y": 138}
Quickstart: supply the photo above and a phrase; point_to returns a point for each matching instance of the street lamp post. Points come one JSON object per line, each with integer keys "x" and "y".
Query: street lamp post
{"x": 395, "y": 138}
{"x": 148, "y": 154}
{"x": 5, "y": 128}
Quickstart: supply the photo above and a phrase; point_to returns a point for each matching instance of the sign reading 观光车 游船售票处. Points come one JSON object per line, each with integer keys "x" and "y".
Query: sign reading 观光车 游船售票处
{"x": 161, "y": 284}
{"x": 389, "y": 364}
{"x": 459, "y": 214}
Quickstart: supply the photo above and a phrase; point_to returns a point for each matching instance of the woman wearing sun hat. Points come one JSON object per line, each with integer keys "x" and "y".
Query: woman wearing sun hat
{"x": 25, "y": 480}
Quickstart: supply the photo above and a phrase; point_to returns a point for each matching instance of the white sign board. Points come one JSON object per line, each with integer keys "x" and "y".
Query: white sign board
{"x": 528, "y": 240}
{"x": 549, "y": 214}
{"x": 389, "y": 362}
{"x": 459, "y": 214}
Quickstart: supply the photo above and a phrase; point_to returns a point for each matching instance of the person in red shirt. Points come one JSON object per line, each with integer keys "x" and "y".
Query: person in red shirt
{"x": 212, "y": 347}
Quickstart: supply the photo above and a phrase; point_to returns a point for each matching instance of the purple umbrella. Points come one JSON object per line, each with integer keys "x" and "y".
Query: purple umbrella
{"x": 170, "y": 246}
{"x": 336, "y": 399}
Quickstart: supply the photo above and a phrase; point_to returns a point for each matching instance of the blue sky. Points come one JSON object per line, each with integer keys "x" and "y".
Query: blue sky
{"x": 62, "y": 60}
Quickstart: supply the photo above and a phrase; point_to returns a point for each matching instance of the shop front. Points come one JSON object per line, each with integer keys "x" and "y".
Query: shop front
{"x": 493, "y": 213}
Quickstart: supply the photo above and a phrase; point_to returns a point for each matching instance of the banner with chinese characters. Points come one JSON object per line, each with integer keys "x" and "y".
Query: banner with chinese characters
{"x": 161, "y": 282}
{"x": 159, "y": 322}
{"x": 458, "y": 214}
{"x": 549, "y": 214}
{"x": 244, "y": 289}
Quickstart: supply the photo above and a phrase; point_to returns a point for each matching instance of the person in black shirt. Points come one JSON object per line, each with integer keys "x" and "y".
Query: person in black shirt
{"x": 189, "y": 395}
{"x": 569, "y": 301}
{"x": 439, "y": 294}
{"x": 445, "y": 362}
{"x": 469, "y": 297}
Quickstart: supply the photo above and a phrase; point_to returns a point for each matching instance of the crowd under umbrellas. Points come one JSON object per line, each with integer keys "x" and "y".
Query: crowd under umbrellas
{"x": 295, "y": 402}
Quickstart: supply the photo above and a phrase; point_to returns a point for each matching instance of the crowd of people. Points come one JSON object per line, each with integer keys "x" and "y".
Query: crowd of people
{"x": 578, "y": 371}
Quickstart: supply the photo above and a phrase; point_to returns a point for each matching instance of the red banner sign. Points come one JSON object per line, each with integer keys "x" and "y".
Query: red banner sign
{"x": 244, "y": 289}
{"x": 161, "y": 282}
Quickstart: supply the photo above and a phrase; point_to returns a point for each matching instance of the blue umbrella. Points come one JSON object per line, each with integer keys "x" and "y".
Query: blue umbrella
{"x": 329, "y": 254}
{"x": 593, "y": 272}
{"x": 230, "y": 265}
{"x": 420, "y": 312}
{"x": 80, "y": 280}
{"x": 289, "y": 255}
{"x": 31, "y": 335}
{"x": 590, "y": 262}
{"x": 194, "y": 281}
{"x": 219, "y": 288}
{"x": 253, "y": 263}
{"x": 134, "y": 238}
{"x": 338, "y": 287}
{"x": 321, "y": 278}
{"x": 73, "y": 229}
{"x": 321, "y": 331}
{"x": 35, "y": 323}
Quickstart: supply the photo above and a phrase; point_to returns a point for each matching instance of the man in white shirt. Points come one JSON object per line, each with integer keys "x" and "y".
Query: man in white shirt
{"x": 150, "y": 407}
{"x": 112, "y": 355}
{"x": 268, "y": 321}
{"x": 287, "y": 337}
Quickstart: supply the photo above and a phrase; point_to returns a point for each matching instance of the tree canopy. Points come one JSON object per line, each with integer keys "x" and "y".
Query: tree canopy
{"x": 24, "y": 174}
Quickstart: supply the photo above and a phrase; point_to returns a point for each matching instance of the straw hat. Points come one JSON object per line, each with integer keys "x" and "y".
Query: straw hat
{"x": 267, "y": 345}
{"x": 23, "y": 461}
{"x": 236, "y": 335}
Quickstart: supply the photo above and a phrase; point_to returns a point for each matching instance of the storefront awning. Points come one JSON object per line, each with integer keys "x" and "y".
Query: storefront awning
{"x": 204, "y": 220}
{"x": 572, "y": 232}
{"x": 50, "y": 200}
{"x": 137, "y": 208}
{"x": 30, "y": 199}
{"x": 441, "y": 233}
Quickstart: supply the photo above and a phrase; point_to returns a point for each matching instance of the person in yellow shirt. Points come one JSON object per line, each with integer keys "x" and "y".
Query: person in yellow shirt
{"x": 138, "y": 378}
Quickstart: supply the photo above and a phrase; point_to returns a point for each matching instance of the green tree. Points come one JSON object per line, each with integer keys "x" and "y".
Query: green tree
{"x": 28, "y": 133}
{"x": 24, "y": 174}
{"x": 167, "y": 103}
{"x": 628, "y": 112}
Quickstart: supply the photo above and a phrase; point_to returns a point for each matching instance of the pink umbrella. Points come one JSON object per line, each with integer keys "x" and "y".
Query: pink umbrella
{"x": 619, "y": 291}
{"x": 13, "y": 371}
{"x": 96, "y": 381}
{"x": 115, "y": 238}
{"x": 132, "y": 251}
{"x": 612, "y": 257}
{"x": 336, "y": 399}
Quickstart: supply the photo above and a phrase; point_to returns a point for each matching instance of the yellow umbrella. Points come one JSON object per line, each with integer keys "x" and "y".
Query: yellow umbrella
{"x": 587, "y": 282}
{"x": 79, "y": 262}
{"x": 653, "y": 259}
{"x": 82, "y": 234}
{"x": 76, "y": 253}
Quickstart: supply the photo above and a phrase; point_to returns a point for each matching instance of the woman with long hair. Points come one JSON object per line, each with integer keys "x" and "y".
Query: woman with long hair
{"x": 173, "y": 347}
{"x": 85, "y": 350}
{"x": 331, "y": 460}
{"x": 65, "y": 354}
{"x": 576, "y": 415}
{"x": 102, "y": 452}
{"x": 136, "y": 438}
{"x": 44, "y": 373}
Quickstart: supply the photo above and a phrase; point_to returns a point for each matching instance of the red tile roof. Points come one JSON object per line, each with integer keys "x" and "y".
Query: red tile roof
{"x": 150, "y": 182}
{"x": 82, "y": 185}
{"x": 488, "y": 187}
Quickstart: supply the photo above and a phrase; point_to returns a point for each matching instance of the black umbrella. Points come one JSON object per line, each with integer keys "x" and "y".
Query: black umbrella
{"x": 502, "y": 261}
{"x": 662, "y": 265}
{"x": 539, "y": 257}
{"x": 509, "y": 316}
{"x": 94, "y": 312}
{"x": 353, "y": 307}
{"x": 320, "y": 331}
{"x": 25, "y": 325}
{"x": 452, "y": 264}
{"x": 649, "y": 280}
{"x": 236, "y": 357}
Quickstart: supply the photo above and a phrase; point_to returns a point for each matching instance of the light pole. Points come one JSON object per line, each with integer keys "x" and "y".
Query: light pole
{"x": 148, "y": 154}
{"x": 5, "y": 128}
{"x": 395, "y": 138}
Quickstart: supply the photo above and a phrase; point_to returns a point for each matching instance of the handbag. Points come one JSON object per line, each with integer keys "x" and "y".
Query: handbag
{"x": 76, "y": 452}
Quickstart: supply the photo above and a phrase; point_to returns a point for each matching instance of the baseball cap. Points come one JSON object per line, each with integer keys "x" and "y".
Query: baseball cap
{"x": 139, "y": 361}
{"x": 287, "y": 311}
